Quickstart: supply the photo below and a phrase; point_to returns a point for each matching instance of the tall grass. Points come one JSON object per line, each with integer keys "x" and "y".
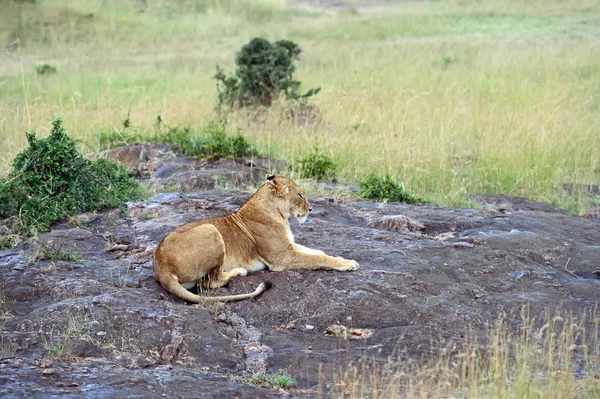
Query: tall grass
{"x": 455, "y": 97}
{"x": 555, "y": 357}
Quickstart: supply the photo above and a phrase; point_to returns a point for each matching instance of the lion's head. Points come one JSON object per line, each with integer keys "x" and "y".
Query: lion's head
{"x": 288, "y": 197}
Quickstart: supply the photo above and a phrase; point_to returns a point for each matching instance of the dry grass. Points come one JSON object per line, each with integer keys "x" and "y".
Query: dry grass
{"x": 557, "y": 358}
{"x": 454, "y": 97}
{"x": 5, "y": 313}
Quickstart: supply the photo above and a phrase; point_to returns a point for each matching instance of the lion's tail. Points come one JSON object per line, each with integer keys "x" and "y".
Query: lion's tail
{"x": 177, "y": 289}
{"x": 265, "y": 285}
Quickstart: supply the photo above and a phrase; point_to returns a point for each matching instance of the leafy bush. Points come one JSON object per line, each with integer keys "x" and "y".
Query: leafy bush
{"x": 316, "y": 165}
{"x": 50, "y": 180}
{"x": 385, "y": 189}
{"x": 264, "y": 72}
{"x": 45, "y": 69}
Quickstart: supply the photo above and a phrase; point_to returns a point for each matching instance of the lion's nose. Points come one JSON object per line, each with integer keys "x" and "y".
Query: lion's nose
{"x": 310, "y": 209}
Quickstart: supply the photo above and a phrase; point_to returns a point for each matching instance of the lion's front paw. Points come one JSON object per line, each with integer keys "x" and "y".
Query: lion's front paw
{"x": 349, "y": 265}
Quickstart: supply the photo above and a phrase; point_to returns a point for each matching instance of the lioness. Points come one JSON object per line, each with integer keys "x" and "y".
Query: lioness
{"x": 254, "y": 237}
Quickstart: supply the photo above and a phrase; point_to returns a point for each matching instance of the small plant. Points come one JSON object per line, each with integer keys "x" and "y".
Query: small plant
{"x": 279, "y": 380}
{"x": 158, "y": 123}
{"x": 45, "y": 69}
{"x": 385, "y": 189}
{"x": 264, "y": 72}
{"x": 51, "y": 180}
{"x": 316, "y": 165}
{"x": 127, "y": 121}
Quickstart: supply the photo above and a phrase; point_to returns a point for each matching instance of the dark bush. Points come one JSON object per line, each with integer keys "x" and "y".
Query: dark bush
{"x": 264, "y": 71}
{"x": 51, "y": 180}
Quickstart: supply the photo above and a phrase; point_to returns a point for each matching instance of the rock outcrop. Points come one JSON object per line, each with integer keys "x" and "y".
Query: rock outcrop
{"x": 94, "y": 323}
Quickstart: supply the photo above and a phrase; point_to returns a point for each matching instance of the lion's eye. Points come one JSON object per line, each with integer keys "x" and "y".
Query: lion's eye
{"x": 301, "y": 196}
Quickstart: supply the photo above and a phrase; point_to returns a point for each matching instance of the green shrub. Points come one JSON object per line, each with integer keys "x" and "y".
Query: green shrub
{"x": 51, "y": 180}
{"x": 212, "y": 142}
{"x": 184, "y": 138}
{"x": 45, "y": 69}
{"x": 385, "y": 189}
{"x": 264, "y": 72}
{"x": 219, "y": 144}
{"x": 316, "y": 165}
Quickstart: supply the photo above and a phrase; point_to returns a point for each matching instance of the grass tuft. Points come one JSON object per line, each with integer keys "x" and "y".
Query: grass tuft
{"x": 51, "y": 252}
{"x": 279, "y": 380}
{"x": 58, "y": 348}
{"x": 212, "y": 142}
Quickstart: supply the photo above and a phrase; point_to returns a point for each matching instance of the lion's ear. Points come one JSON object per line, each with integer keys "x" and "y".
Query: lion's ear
{"x": 273, "y": 186}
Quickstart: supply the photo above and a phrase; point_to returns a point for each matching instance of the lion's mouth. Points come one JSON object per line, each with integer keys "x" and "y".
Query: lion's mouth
{"x": 301, "y": 218}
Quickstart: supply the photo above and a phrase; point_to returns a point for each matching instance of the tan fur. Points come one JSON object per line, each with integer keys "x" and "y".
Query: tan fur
{"x": 256, "y": 236}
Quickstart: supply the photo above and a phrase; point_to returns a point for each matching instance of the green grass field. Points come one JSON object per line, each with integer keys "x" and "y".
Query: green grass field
{"x": 452, "y": 97}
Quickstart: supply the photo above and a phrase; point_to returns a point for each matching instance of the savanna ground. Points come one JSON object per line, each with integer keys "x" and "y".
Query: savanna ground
{"x": 451, "y": 97}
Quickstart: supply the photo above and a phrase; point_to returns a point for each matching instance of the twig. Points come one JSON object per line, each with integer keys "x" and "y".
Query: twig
{"x": 573, "y": 274}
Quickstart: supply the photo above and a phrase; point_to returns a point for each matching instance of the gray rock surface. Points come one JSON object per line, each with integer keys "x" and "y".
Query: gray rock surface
{"x": 101, "y": 327}
{"x": 163, "y": 168}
